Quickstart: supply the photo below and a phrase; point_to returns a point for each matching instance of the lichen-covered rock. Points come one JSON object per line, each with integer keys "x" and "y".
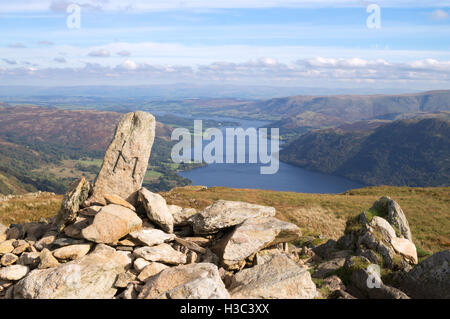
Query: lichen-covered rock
{"x": 393, "y": 213}
{"x": 155, "y": 207}
{"x": 112, "y": 223}
{"x": 90, "y": 277}
{"x": 224, "y": 214}
{"x": 253, "y": 235}
{"x": 194, "y": 281}
{"x": 430, "y": 279}
{"x": 279, "y": 278}
{"x": 126, "y": 158}
{"x": 70, "y": 206}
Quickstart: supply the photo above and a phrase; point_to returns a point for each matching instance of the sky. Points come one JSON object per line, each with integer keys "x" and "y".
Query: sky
{"x": 322, "y": 43}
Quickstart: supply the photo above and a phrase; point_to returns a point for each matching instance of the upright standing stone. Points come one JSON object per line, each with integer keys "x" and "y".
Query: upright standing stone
{"x": 126, "y": 159}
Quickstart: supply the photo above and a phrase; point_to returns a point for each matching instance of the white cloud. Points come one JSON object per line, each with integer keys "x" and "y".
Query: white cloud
{"x": 439, "y": 15}
{"x": 129, "y": 65}
{"x": 100, "y": 53}
{"x": 60, "y": 60}
{"x": 124, "y": 53}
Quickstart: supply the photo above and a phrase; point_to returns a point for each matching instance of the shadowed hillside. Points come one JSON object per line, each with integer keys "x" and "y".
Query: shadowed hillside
{"x": 408, "y": 152}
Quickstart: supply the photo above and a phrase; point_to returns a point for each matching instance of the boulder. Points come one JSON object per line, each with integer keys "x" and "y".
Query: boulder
{"x": 70, "y": 206}
{"x": 394, "y": 215}
{"x": 405, "y": 248}
{"x": 429, "y": 279}
{"x": 13, "y": 272}
{"x": 279, "y": 278}
{"x": 90, "y": 277}
{"x": 152, "y": 237}
{"x": 253, "y": 235}
{"x": 72, "y": 252}
{"x": 155, "y": 207}
{"x": 112, "y": 223}
{"x": 194, "y": 281}
{"x": 126, "y": 159}
{"x": 163, "y": 253}
{"x": 224, "y": 214}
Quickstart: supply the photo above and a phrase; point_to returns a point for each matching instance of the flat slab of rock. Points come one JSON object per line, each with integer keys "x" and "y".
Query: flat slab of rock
{"x": 155, "y": 207}
{"x": 72, "y": 252}
{"x": 112, "y": 223}
{"x": 126, "y": 158}
{"x": 90, "y": 277}
{"x": 162, "y": 253}
{"x": 194, "y": 281}
{"x": 70, "y": 206}
{"x": 253, "y": 235}
{"x": 279, "y": 278}
{"x": 152, "y": 237}
{"x": 116, "y": 200}
{"x": 13, "y": 272}
{"x": 224, "y": 214}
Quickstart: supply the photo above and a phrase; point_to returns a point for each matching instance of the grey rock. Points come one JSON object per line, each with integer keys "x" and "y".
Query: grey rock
{"x": 280, "y": 278}
{"x": 70, "y": 206}
{"x": 155, "y": 207}
{"x": 430, "y": 279}
{"x": 224, "y": 214}
{"x": 126, "y": 158}
{"x": 193, "y": 281}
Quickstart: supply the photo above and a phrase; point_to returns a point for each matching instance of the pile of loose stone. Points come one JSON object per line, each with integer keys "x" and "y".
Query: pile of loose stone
{"x": 115, "y": 239}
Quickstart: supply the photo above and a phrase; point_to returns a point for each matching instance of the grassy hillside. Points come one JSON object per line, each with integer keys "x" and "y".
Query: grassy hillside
{"x": 402, "y": 153}
{"x": 427, "y": 209}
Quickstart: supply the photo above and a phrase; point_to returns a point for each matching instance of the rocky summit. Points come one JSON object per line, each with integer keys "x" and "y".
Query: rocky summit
{"x": 116, "y": 239}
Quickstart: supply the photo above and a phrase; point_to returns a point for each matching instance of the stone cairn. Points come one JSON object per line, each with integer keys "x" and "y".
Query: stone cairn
{"x": 115, "y": 239}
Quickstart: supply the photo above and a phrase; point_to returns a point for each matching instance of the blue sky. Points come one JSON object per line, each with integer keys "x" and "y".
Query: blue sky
{"x": 289, "y": 43}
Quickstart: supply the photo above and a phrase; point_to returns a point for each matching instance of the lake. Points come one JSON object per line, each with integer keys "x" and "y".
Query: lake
{"x": 288, "y": 178}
